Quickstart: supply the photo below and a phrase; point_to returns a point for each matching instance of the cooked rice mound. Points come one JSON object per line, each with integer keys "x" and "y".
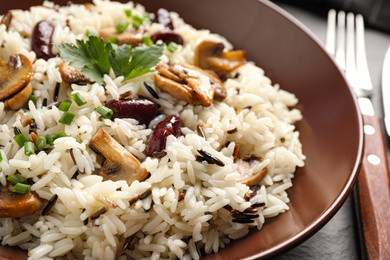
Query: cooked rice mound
{"x": 167, "y": 224}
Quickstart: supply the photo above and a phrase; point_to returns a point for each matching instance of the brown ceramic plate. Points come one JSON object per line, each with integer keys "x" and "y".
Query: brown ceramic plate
{"x": 331, "y": 131}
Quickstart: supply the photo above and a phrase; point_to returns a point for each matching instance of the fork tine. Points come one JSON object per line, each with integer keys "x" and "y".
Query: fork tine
{"x": 340, "y": 53}
{"x": 361, "y": 59}
{"x": 350, "y": 67}
{"x": 331, "y": 32}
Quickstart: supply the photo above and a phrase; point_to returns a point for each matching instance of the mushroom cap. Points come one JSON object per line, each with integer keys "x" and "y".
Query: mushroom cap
{"x": 226, "y": 61}
{"x": 211, "y": 55}
{"x": 119, "y": 163}
{"x": 248, "y": 167}
{"x": 190, "y": 83}
{"x": 18, "y": 100}
{"x": 131, "y": 37}
{"x": 14, "y": 75}
{"x": 205, "y": 49}
{"x": 71, "y": 75}
{"x": 15, "y": 205}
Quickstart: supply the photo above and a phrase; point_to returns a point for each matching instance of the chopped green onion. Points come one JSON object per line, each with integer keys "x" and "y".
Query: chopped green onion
{"x": 41, "y": 142}
{"x": 21, "y": 139}
{"x": 172, "y": 47}
{"x": 67, "y": 118}
{"x": 147, "y": 40}
{"x": 128, "y": 12}
{"x": 78, "y": 99}
{"x": 29, "y": 148}
{"x": 105, "y": 111}
{"x": 16, "y": 178}
{"x": 89, "y": 33}
{"x": 137, "y": 19}
{"x": 33, "y": 99}
{"x": 50, "y": 138}
{"x": 64, "y": 106}
{"x": 62, "y": 134}
{"x": 113, "y": 39}
{"x": 121, "y": 26}
{"x": 21, "y": 188}
{"x": 135, "y": 25}
{"x": 1, "y": 157}
{"x": 146, "y": 17}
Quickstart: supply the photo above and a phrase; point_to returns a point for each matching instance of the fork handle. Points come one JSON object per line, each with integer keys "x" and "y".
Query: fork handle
{"x": 374, "y": 192}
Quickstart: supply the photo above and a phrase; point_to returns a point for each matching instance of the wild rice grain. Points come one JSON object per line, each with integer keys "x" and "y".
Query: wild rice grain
{"x": 232, "y": 131}
{"x": 98, "y": 213}
{"x": 17, "y": 131}
{"x": 151, "y": 90}
{"x": 129, "y": 243}
{"x": 134, "y": 200}
{"x": 145, "y": 194}
{"x": 247, "y": 215}
{"x": 235, "y": 152}
{"x": 211, "y": 158}
{"x": 258, "y": 205}
{"x": 49, "y": 205}
{"x": 243, "y": 220}
{"x": 56, "y": 91}
{"x": 199, "y": 130}
{"x": 159, "y": 155}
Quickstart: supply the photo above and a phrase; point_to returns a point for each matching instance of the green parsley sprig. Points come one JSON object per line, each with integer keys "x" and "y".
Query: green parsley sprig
{"x": 95, "y": 58}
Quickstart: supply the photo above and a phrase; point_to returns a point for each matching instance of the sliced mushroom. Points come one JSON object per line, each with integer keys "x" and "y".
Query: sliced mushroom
{"x": 119, "y": 163}
{"x": 210, "y": 55}
{"x": 15, "y": 205}
{"x": 190, "y": 83}
{"x": 131, "y": 37}
{"x": 247, "y": 167}
{"x": 18, "y": 100}
{"x": 25, "y": 120}
{"x": 72, "y": 75}
{"x": 14, "y": 75}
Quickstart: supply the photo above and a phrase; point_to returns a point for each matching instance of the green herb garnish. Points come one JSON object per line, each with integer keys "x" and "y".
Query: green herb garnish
{"x": 21, "y": 188}
{"x": 105, "y": 111}
{"x": 16, "y": 178}
{"x": 121, "y": 26}
{"x": 147, "y": 41}
{"x": 67, "y": 118}
{"x": 94, "y": 58}
{"x": 172, "y": 47}
{"x": 50, "y": 138}
{"x": 64, "y": 106}
{"x": 29, "y": 148}
{"x": 78, "y": 99}
{"x": 21, "y": 139}
{"x": 41, "y": 142}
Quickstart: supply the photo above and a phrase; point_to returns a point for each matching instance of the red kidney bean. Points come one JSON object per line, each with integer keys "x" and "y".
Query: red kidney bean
{"x": 41, "y": 39}
{"x": 163, "y": 17}
{"x": 158, "y": 139}
{"x": 142, "y": 110}
{"x": 167, "y": 37}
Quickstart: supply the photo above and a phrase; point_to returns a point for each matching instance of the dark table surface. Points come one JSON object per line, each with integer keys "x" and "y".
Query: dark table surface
{"x": 339, "y": 238}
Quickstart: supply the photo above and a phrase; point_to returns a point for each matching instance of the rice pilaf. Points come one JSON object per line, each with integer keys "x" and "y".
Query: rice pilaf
{"x": 191, "y": 201}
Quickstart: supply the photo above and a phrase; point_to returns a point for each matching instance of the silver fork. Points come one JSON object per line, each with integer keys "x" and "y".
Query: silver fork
{"x": 345, "y": 41}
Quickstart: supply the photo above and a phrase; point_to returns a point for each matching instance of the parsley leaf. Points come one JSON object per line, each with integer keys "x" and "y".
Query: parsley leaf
{"x": 119, "y": 59}
{"x": 142, "y": 59}
{"x": 95, "y": 58}
{"x": 91, "y": 57}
